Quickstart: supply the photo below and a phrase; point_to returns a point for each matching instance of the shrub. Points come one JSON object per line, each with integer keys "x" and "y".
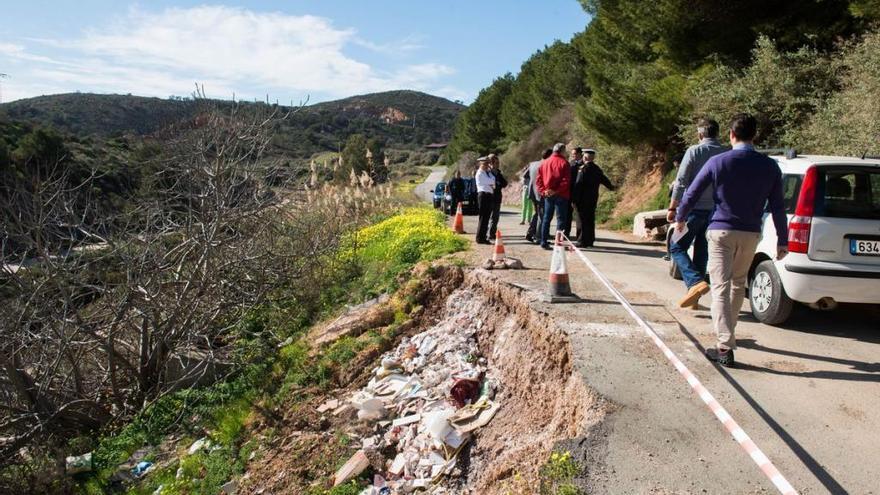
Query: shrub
{"x": 397, "y": 243}
{"x": 558, "y": 473}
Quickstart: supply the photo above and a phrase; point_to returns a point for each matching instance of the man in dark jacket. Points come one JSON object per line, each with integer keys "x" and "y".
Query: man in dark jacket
{"x": 500, "y": 183}
{"x": 577, "y": 162}
{"x": 455, "y": 188}
{"x": 586, "y": 197}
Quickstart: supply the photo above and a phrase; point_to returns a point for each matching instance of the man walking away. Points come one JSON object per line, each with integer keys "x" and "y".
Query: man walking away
{"x": 554, "y": 185}
{"x": 588, "y": 180}
{"x": 485, "y": 198}
{"x": 500, "y": 183}
{"x": 693, "y": 271}
{"x": 744, "y": 181}
{"x": 534, "y": 232}
{"x": 455, "y": 187}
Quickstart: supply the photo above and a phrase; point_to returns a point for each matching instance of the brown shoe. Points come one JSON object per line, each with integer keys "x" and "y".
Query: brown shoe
{"x": 694, "y": 294}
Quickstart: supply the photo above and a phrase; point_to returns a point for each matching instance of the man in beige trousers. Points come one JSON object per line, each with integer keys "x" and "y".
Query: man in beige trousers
{"x": 744, "y": 181}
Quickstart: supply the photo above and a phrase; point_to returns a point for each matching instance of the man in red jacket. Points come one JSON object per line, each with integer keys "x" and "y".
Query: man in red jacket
{"x": 554, "y": 185}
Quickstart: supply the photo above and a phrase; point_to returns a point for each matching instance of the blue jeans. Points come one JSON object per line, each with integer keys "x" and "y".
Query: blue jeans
{"x": 693, "y": 271}
{"x": 552, "y": 203}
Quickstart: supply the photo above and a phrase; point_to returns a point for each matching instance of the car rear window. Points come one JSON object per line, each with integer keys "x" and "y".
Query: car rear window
{"x": 849, "y": 193}
{"x": 791, "y": 188}
{"x": 470, "y": 186}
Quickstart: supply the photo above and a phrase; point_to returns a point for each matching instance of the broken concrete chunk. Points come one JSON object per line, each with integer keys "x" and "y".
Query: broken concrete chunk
{"x": 345, "y": 410}
{"x": 352, "y": 468}
{"x": 407, "y": 420}
{"x": 427, "y": 346}
{"x": 397, "y": 465}
{"x": 79, "y": 463}
{"x": 330, "y": 404}
{"x": 513, "y": 263}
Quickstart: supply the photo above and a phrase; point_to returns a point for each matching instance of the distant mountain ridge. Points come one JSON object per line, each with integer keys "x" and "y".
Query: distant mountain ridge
{"x": 403, "y": 118}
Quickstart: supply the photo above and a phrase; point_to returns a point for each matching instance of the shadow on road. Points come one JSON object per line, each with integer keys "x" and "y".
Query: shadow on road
{"x": 861, "y": 366}
{"x": 629, "y": 243}
{"x": 849, "y": 321}
{"x": 821, "y": 474}
{"x": 646, "y": 253}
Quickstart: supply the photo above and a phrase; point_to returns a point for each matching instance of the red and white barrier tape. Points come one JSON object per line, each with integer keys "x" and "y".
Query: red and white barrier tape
{"x": 717, "y": 409}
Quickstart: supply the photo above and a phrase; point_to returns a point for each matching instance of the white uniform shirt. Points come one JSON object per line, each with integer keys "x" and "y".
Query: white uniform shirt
{"x": 485, "y": 182}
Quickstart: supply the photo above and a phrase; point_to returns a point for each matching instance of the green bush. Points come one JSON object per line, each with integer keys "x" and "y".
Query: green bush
{"x": 845, "y": 124}
{"x": 386, "y": 249}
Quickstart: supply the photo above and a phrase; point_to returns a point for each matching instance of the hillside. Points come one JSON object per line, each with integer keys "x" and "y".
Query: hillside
{"x": 403, "y": 119}
{"x": 633, "y": 83}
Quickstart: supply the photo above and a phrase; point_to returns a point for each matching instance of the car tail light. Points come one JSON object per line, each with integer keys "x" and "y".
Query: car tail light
{"x": 799, "y": 226}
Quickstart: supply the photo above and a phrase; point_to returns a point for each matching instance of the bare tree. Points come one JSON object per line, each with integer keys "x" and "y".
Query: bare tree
{"x": 104, "y": 312}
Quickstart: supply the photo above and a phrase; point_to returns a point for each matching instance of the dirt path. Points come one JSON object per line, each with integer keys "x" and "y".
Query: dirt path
{"x": 807, "y": 394}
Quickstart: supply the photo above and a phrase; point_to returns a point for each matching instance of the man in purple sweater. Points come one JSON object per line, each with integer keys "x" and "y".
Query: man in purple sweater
{"x": 744, "y": 182}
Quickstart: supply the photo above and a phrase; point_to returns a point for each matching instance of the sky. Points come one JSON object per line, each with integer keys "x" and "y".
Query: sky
{"x": 292, "y": 51}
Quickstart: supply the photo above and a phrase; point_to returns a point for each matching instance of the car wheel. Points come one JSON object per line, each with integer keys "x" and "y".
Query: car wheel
{"x": 770, "y": 304}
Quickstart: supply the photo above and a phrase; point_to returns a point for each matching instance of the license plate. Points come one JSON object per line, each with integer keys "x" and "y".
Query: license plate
{"x": 864, "y": 247}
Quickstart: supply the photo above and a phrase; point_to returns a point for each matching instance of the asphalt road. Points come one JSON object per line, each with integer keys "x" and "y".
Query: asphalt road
{"x": 425, "y": 190}
{"x": 808, "y": 393}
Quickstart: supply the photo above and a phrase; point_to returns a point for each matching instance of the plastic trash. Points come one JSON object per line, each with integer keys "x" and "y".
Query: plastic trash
{"x": 201, "y": 444}
{"x": 141, "y": 468}
{"x": 352, "y": 468}
{"x": 371, "y": 410}
{"x": 438, "y": 423}
{"x": 464, "y": 391}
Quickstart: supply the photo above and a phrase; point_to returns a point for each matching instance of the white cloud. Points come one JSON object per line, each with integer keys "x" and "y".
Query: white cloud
{"x": 226, "y": 48}
{"x": 398, "y": 47}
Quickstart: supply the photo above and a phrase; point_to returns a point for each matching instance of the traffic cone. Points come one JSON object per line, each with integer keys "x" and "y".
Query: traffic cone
{"x": 458, "y": 221}
{"x": 560, "y": 288}
{"x": 499, "y": 248}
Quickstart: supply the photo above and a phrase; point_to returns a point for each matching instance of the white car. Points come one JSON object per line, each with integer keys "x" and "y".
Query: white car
{"x": 833, "y": 207}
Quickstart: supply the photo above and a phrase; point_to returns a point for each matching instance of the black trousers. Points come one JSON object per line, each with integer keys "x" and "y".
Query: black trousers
{"x": 587, "y": 235}
{"x": 485, "y": 202}
{"x": 534, "y": 231}
{"x": 496, "y": 215}
{"x": 567, "y": 227}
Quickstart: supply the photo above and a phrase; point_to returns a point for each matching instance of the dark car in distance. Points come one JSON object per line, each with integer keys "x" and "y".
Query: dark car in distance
{"x": 439, "y": 194}
{"x": 469, "y": 202}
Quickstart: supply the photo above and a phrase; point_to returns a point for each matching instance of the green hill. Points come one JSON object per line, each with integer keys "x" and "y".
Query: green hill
{"x": 403, "y": 119}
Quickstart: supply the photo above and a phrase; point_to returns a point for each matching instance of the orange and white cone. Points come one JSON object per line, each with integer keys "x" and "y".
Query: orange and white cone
{"x": 458, "y": 221}
{"x": 498, "y": 255}
{"x": 560, "y": 288}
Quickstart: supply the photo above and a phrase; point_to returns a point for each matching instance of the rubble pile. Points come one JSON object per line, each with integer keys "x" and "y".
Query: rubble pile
{"x": 503, "y": 264}
{"x": 423, "y": 404}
